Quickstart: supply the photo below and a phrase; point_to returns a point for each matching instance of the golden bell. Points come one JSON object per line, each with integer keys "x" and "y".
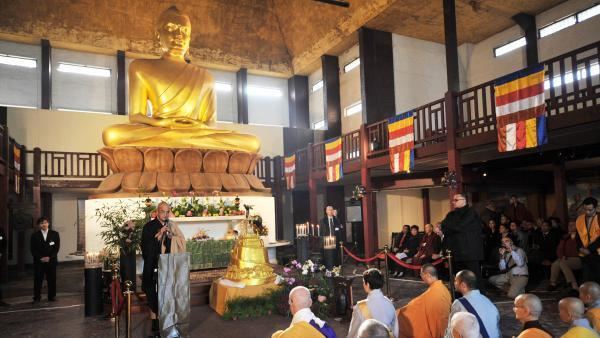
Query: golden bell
{"x": 249, "y": 260}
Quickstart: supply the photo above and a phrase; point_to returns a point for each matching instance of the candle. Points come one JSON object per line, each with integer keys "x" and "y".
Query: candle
{"x": 318, "y": 231}
{"x": 329, "y": 242}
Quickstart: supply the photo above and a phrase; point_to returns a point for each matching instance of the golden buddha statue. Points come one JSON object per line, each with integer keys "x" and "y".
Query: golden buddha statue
{"x": 181, "y": 96}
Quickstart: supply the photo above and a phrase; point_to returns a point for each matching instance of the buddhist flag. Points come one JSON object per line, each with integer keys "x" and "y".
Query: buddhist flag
{"x": 17, "y": 164}
{"x": 333, "y": 159}
{"x": 290, "y": 171}
{"x": 521, "y": 109}
{"x": 401, "y": 142}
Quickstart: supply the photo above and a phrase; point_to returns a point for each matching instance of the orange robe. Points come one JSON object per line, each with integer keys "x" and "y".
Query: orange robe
{"x": 593, "y": 315}
{"x": 426, "y": 316}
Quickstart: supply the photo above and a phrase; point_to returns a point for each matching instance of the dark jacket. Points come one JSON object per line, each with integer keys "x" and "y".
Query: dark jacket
{"x": 324, "y": 227}
{"x": 150, "y": 251}
{"x": 462, "y": 234}
{"x": 45, "y": 248}
{"x": 412, "y": 245}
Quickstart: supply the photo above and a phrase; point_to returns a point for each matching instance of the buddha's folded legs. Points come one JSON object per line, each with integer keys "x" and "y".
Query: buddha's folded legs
{"x": 139, "y": 135}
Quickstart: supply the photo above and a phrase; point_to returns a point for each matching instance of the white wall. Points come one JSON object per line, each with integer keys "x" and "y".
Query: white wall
{"x": 483, "y": 66}
{"x": 396, "y": 208}
{"x": 82, "y": 132}
{"x": 64, "y": 220}
{"x": 226, "y": 101}
{"x": 84, "y": 92}
{"x": 268, "y": 110}
{"x": 419, "y": 72}
{"x": 439, "y": 203}
{"x": 349, "y": 90}
{"x": 316, "y": 110}
{"x": 20, "y": 86}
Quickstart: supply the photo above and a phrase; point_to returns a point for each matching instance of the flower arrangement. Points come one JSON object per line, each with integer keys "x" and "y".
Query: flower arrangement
{"x": 316, "y": 278}
{"x": 201, "y": 236}
{"x": 122, "y": 226}
{"x": 194, "y": 207}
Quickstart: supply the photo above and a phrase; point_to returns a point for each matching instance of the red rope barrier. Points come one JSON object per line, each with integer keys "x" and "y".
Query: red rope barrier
{"x": 116, "y": 296}
{"x": 380, "y": 255}
{"x": 411, "y": 266}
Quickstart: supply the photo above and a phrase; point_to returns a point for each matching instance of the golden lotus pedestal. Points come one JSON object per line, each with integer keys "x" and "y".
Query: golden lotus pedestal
{"x": 248, "y": 274}
{"x": 168, "y": 170}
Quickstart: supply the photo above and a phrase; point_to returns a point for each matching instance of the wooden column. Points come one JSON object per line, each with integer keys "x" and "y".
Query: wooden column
{"x": 369, "y": 202}
{"x": 376, "y": 75}
{"x": 454, "y": 163}
{"x": 527, "y": 24}
{"x": 242, "y": 95}
{"x": 298, "y": 102}
{"x": 121, "y": 84}
{"x": 331, "y": 95}
{"x": 451, "y": 44}
{"x": 4, "y": 187}
{"x": 3, "y": 116}
{"x": 426, "y": 206}
{"x": 312, "y": 188}
{"x": 37, "y": 183}
{"x": 46, "y": 74}
{"x": 278, "y": 194}
{"x": 560, "y": 192}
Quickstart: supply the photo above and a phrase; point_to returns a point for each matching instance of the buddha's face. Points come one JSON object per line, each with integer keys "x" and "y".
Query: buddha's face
{"x": 174, "y": 32}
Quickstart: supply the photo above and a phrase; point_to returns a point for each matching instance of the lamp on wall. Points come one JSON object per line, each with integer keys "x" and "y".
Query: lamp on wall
{"x": 450, "y": 180}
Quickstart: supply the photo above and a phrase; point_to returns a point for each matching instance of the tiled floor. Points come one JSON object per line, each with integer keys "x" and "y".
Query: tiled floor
{"x": 65, "y": 318}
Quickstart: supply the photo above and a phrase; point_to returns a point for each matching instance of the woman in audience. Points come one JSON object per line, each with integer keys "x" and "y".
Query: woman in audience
{"x": 410, "y": 249}
{"x": 568, "y": 259}
{"x": 429, "y": 247}
{"x": 491, "y": 242}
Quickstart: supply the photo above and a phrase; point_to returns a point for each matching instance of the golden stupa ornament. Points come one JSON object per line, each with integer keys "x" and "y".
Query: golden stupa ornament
{"x": 182, "y": 97}
{"x": 249, "y": 259}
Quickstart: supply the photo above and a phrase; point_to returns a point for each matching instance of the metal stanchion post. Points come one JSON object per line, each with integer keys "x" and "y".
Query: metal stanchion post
{"x": 128, "y": 293}
{"x": 387, "y": 272}
{"x": 113, "y": 314}
{"x": 450, "y": 272}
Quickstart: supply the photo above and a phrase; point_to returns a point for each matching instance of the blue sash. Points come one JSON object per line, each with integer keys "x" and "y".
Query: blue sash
{"x": 470, "y": 309}
{"x": 326, "y": 330}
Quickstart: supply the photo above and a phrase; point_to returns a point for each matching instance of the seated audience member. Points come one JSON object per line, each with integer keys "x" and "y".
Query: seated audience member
{"x": 571, "y": 311}
{"x": 528, "y": 309}
{"x": 589, "y": 293}
{"x": 542, "y": 251}
{"x": 426, "y": 316}
{"x": 504, "y": 220}
{"x": 513, "y": 267}
{"x": 410, "y": 248}
{"x": 399, "y": 247}
{"x": 473, "y": 302}
{"x": 568, "y": 259}
{"x": 376, "y": 306}
{"x": 372, "y": 328}
{"x": 464, "y": 325}
{"x": 429, "y": 248}
{"x": 588, "y": 228}
{"x": 304, "y": 322}
{"x": 517, "y": 235}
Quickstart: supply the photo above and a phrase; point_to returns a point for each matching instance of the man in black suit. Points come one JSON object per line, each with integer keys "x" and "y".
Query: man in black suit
{"x": 330, "y": 225}
{"x": 44, "y": 246}
{"x": 462, "y": 230}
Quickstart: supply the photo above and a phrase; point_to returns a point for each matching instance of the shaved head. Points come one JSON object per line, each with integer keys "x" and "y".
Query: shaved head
{"x": 429, "y": 269}
{"x": 570, "y": 309}
{"x": 589, "y": 292}
{"x": 467, "y": 277}
{"x": 372, "y": 328}
{"x": 528, "y": 307}
{"x": 300, "y": 299}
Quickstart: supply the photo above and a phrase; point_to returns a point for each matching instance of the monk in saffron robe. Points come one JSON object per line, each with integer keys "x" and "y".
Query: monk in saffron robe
{"x": 589, "y": 293}
{"x": 304, "y": 323}
{"x": 426, "y": 316}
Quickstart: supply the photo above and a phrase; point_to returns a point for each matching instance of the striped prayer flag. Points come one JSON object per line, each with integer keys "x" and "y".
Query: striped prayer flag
{"x": 289, "y": 169}
{"x": 333, "y": 159}
{"x": 401, "y": 142}
{"x": 521, "y": 109}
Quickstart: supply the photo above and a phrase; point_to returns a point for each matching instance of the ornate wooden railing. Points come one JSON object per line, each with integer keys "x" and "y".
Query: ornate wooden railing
{"x": 476, "y": 110}
{"x": 66, "y": 164}
{"x": 302, "y": 164}
{"x": 351, "y": 146}
{"x": 318, "y": 155}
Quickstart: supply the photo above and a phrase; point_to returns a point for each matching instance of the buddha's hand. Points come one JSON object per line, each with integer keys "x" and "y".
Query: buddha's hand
{"x": 178, "y": 123}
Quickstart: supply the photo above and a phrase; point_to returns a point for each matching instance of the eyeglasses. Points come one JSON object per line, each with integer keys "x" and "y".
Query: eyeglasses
{"x": 458, "y": 199}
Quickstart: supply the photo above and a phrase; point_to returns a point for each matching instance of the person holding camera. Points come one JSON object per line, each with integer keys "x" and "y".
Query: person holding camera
{"x": 514, "y": 273}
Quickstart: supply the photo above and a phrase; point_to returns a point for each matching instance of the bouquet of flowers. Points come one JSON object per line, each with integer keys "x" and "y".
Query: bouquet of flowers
{"x": 201, "y": 236}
